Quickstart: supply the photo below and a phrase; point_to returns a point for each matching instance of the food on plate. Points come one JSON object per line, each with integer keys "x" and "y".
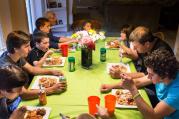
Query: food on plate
{"x": 53, "y": 61}
{"x": 120, "y": 68}
{"x": 124, "y": 97}
{"x": 47, "y": 81}
{"x": 35, "y": 114}
{"x": 113, "y": 44}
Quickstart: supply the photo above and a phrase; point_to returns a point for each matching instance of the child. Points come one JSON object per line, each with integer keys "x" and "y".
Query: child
{"x": 51, "y": 16}
{"x": 102, "y": 113}
{"x": 41, "y": 50}
{"x": 86, "y": 25}
{"x": 127, "y": 47}
{"x": 43, "y": 25}
{"x": 125, "y": 32}
{"x": 12, "y": 80}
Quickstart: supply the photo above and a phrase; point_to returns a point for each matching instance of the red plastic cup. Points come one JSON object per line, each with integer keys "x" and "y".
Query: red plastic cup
{"x": 64, "y": 48}
{"x": 110, "y": 102}
{"x": 92, "y": 102}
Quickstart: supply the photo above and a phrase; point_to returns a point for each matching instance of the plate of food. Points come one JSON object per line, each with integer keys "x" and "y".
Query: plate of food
{"x": 120, "y": 66}
{"x": 37, "y": 112}
{"x": 46, "y": 81}
{"x": 54, "y": 61}
{"x": 123, "y": 98}
{"x": 112, "y": 44}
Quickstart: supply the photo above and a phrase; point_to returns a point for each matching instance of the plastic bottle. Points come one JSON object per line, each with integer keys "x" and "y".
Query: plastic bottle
{"x": 42, "y": 96}
{"x": 103, "y": 54}
{"x": 71, "y": 64}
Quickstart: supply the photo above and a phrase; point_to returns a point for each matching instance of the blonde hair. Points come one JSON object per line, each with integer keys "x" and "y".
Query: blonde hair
{"x": 51, "y": 16}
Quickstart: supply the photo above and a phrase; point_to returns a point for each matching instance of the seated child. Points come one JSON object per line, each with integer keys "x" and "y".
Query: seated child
{"x": 127, "y": 47}
{"x": 43, "y": 25}
{"x": 41, "y": 50}
{"x": 12, "y": 80}
{"x": 125, "y": 32}
{"x": 86, "y": 25}
{"x": 51, "y": 16}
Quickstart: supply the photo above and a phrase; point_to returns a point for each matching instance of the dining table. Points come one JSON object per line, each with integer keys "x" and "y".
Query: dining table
{"x": 83, "y": 83}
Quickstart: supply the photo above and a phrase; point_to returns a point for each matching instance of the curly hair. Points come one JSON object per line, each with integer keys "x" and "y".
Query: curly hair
{"x": 163, "y": 63}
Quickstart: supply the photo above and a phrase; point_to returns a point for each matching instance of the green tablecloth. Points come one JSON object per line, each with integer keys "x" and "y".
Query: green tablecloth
{"x": 83, "y": 83}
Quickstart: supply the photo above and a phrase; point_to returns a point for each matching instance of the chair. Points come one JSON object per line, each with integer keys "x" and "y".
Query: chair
{"x": 159, "y": 35}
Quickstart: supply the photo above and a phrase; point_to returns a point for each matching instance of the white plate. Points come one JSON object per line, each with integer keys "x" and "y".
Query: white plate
{"x": 62, "y": 64}
{"x": 109, "y": 65}
{"x": 122, "y": 106}
{"x": 48, "y": 110}
{"x": 36, "y": 82}
{"x": 107, "y": 46}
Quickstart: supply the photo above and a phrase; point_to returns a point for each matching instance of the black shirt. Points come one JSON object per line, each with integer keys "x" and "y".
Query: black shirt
{"x": 159, "y": 44}
{"x": 53, "y": 39}
{"x": 35, "y": 55}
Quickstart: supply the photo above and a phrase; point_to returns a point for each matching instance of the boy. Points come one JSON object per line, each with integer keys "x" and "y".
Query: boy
{"x": 43, "y": 25}
{"x": 41, "y": 51}
{"x": 10, "y": 89}
{"x": 18, "y": 47}
{"x": 162, "y": 68}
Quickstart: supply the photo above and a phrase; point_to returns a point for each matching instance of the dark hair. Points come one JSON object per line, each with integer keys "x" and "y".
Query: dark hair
{"x": 37, "y": 37}
{"x": 12, "y": 77}
{"x": 16, "y": 39}
{"x": 163, "y": 63}
{"x": 41, "y": 22}
{"x": 85, "y": 22}
{"x": 127, "y": 29}
{"x": 142, "y": 35}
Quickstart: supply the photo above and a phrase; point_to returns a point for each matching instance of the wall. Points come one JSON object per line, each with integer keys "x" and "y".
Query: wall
{"x": 18, "y": 15}
{"x": 13, "y": 16}
{"x": 5, "y": 17}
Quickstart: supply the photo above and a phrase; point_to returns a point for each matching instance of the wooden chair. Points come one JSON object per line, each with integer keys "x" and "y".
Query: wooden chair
{"x": 159, "y": 35}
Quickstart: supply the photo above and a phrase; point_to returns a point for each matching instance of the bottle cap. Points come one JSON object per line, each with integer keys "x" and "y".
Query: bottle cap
{"x": 71, "y": 59}
{"x": 103, "y": 50}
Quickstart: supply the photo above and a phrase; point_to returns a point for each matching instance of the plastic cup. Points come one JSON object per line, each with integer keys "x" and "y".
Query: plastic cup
{"x": 92, "y": 102}
{"x": 110, "y": 102}
{"x": 64, "y": 48}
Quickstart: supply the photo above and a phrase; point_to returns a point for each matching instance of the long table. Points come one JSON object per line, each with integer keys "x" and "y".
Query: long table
{"x": 83, "y": 83}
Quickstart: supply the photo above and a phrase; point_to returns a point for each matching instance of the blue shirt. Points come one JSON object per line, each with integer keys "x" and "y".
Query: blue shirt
{"x": 170, "y": 95}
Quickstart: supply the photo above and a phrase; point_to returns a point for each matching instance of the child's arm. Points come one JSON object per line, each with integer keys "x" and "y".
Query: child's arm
{"x": 128, "y": 52}
{"x": 42, "y": 60}
{"x": 64, "y": 39}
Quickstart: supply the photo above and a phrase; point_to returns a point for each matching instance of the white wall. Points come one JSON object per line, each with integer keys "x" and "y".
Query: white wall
{"x": 36, "y": 10}
{"x": 70, "y": 8}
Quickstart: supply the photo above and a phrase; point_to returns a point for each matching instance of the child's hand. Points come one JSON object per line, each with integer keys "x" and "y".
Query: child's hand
{"x": 105, "y": 88}
{"x": 74, "y": 40}
{"x": 102, "y": 112}
{"x": 49, "y": 52}
{"x": 18, "y": 113}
